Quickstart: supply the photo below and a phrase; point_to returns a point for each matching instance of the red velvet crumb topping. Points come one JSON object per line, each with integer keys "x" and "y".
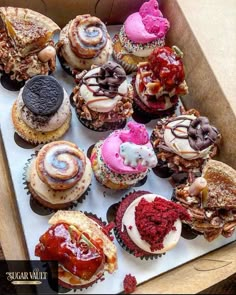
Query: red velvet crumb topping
{"x": 154, "y": 220}
{"x": 129, "y": 284}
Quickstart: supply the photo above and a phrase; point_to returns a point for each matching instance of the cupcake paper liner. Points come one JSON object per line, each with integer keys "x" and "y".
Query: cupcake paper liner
{"x": 64, "y": 65}
{"x": 49, "y": 210}
{"x": 129, "y": 68}
{"x": 139, "y": 252}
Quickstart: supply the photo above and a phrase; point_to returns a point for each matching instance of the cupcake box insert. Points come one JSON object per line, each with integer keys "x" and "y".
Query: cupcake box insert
{"x": 98, "y": 200}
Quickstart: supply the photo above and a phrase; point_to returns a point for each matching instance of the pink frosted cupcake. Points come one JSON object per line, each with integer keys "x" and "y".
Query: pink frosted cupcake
{"x": 141, "y": 33}
{"x": 124, "y": 158}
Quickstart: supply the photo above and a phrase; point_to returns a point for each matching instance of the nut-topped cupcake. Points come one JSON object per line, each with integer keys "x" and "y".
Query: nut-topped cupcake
{"x": 84, "y": 42}
{"x": 184, "y": 143}
{"x": 141, "y": 33}
{"x": 210, "y": 201}
{"x": 124, "y": 157}
{"x": 59, "y": 175}
{"x": 103, "y": 98}
{"x": 41, "y": 112}
{"x": 159, "y": 83}
{"x": 27, "y": 47}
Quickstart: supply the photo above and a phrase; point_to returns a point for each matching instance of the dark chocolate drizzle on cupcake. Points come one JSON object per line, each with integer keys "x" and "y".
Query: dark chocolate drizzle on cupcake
{"x": 43, "y": 95}
{"x": 108, "y": 79}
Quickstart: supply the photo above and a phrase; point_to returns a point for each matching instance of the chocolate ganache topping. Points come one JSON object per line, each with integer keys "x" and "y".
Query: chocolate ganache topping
{"x": 108, "y": 80}
{"x": 200, "y": 133}
{"x": 43, "y": 95}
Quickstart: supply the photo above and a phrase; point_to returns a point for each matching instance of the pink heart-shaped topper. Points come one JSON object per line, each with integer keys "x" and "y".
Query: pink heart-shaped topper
{"x": 150, "y": 8}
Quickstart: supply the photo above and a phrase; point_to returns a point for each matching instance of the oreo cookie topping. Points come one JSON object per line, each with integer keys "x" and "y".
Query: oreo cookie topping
{"x": 43, "y": 95}
{"x": 108, "y": 79}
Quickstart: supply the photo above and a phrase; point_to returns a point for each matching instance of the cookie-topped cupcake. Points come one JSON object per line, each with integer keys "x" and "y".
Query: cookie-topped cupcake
{"x": 159, "y": 83}
{"x": 84, "y": 42}
{"x": 141, "y": 33}
{"x": 103, "y": 98}
{"x": 59, "y": 175}
{"x": 27, "y": 47}
{"x": 41, "y": 112}
{"x": 210, "y": 201}
{"x": 124, "y": 157}
{"x": 148, "y": 225}
{"x": 184, "y": 143}
{"x": 81, "y": 245}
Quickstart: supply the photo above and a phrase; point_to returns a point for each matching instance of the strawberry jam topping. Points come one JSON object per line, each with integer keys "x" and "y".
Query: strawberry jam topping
{"x": 154, "y": 220}
{"x": 72, "y": 249}
{"x": 167, "y": 67}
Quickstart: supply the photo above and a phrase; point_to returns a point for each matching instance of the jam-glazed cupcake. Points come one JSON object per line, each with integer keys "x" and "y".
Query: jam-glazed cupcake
{"x": 159, "y": 83}
{"x": 141, "y": 33}
{"x": 27, "y": 47}
{"x": 41, "y": 112}
{"x": 84, "y": 42}
{"x": 59, "y": 175}
{"x": 210, "y": 201}
{"x": 148, "y": 225}
{"x": 184, "y": 143}
{"x": 123, "y": 158}
{"x": 103, "y": 98}
{"x": 78, "y": 241}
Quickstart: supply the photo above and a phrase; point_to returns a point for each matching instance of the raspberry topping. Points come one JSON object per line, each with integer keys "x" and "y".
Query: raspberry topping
{"x": 156, "y": 219}
{"x": 129, "y": 283}
{"x": 167, "y": 67}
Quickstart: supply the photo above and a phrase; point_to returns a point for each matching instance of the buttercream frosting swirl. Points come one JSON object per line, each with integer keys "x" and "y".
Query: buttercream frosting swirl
{"x": 60, "y": 164}
{"x": 129, "y": 151}
{"x": 190, "y": 137}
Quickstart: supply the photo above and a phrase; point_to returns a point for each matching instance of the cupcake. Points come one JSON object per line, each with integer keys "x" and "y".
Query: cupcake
{"x": 123, "y": 158}
{"x": 102, "y": 98}
{"x": 27, "y": 48}
{"x": 184, "y": 143}
{"x": 59, "y": 175}
{"x": 148, "y": 225}
{"x": 159, "y": 83}
{"x": 210, "y": 201}
{"x": 41, "y": 112}
{"x": 84, "y": 42}
{"x": 141, "y": 33}
{"x": 79, "y": 243}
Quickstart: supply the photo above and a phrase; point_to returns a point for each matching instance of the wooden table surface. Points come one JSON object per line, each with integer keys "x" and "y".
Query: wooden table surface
{"x": 186, "y": 279}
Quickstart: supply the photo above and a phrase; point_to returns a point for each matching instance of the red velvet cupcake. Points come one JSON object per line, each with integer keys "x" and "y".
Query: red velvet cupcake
{"x": 148, "y": 225}
{"x": 159, "y": 83}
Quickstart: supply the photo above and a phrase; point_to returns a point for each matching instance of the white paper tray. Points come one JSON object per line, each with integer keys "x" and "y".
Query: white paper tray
{"x": 98, "y": 200}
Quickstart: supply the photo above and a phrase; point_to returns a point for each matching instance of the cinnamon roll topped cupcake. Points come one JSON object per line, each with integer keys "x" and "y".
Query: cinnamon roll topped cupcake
{"x": 103, "y": 97}
{"x": 84, "y": 42}
{"x": 59, "y": 175}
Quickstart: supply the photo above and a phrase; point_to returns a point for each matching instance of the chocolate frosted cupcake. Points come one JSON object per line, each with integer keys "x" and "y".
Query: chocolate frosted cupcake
{"x": 84, "y": 42}
{"x": 184, "y": 143}
{"x": 123, "y": 158}
{"x": 210, "y": 201}
{"x": 27, "y": 48}
{"x": 148, "y": 225}
{"x": 81, "y": 245}
{"x": 59, "y": 175}
{"x": 41, "y": 112}
{"x": 103, "y": 99}
{"x": 141, "y": 33}
{"x": 159, "y": 83}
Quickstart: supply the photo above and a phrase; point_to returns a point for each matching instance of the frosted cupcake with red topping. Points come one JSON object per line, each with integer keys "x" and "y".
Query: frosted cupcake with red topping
{"x": 124, "y": 157}
{"x": 141, "y": 33}
{"x": 159, "y": 83}
{"x": 148, "y": 225}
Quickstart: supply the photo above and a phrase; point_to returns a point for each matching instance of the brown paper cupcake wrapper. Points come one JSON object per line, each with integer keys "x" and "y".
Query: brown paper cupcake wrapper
{"x": 47, "y": 210}
{"x": 129, "y": 68}
{"x": 125, "y": 247}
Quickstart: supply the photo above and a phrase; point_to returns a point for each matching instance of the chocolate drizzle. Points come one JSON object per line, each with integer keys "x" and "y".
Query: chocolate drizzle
{"x": 108, "y": 80}
{"x": 199, "y": 133}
